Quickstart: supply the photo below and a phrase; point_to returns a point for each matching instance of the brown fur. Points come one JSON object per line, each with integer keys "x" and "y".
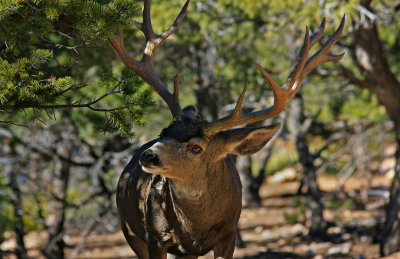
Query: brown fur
{"x": 186, "y": 203}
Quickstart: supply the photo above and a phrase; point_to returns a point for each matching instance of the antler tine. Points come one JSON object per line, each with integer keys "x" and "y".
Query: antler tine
{"x": 153, "y": 41}
{"x": 177, "y": 22}
{"x": 117, "y": 42}
{"x": 322, "y": 55}
{"x": 280, "y": 96}
{"x": 301, "y": 61}
{"x": 147, "y": 26}
{"x": 230, "y": 120}
{"x": 283, "y": 95}
{"x": 317, "y": 35}
{"x": 144, "y": 67}
{"x": 309, "y": 42}
{"x": 237, "y": 113}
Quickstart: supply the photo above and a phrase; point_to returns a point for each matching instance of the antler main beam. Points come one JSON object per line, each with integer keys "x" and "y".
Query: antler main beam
{"x": 144, "y": 67}
{"x": 282, "y": 95}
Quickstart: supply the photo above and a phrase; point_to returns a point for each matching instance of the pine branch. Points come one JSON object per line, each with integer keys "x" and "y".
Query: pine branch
{"x": 13, "y": 123}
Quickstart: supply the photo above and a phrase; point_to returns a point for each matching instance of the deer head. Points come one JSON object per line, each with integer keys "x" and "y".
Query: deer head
{"x": 184, "y": 151}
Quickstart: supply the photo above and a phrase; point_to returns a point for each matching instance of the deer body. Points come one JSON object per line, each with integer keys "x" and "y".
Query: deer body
{"x": 181, "y": 193}
{"x": 180, "y": 226}
{"x": 193, "y": 206}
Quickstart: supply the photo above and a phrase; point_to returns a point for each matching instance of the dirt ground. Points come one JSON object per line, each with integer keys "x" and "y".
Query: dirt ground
{"x": 278, "y": 228}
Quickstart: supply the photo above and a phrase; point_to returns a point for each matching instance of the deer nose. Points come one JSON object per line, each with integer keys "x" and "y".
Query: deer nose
{"x": 149, "y": 158}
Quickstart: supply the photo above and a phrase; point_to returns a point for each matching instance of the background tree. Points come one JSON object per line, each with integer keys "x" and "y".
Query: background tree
{"x": 374, "y": 51}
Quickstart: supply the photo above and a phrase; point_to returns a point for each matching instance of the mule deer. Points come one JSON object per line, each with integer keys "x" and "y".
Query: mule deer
{"x": 181, "y": 193}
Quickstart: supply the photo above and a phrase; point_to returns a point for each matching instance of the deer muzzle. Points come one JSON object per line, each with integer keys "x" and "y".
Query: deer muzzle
{"x": 149, "y": 159}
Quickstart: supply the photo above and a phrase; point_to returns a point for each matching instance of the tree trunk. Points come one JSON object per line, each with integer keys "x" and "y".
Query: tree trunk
{"x": 13, "y": 169}
{"x": 251, "y": 196}
{"x": 21, "y": 251}
{"x": 390, "y": 241}
{"x": 361, "y": 161}
{"x": 208, "y": 97}
{"x": 313, "y": 197}
{"x": 55, "y": 246}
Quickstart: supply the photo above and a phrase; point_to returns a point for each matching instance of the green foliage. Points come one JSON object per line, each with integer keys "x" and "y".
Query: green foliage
{"x": 6, "y": 212}
{"x": 292, "y": 218}
{"x": 282, "y": 157}
{"x": 124, "y": 98}
{"x": 24, "y": 22}
{"x": 35, "y": 207}
{"x": 335, "y": 204}
{"x": 349, "y": 204}
{"x": 101, "y": 18}
{"x": 298, "y": 202}
{"x": 48, "y": 64}
{"x": 298, "y": 215}
{"x": 363, "y": 106}
{"x": 21, "y": 81}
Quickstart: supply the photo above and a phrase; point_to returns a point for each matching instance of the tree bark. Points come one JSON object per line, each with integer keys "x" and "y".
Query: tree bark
{"x": 13, "y": 169}
{"x": 313, "y": 197}
{"x": 208, "y": 98}
{"x": 56, "y": 244}
{"x": 251, "y": 196}
{"x": 20, "y": 250}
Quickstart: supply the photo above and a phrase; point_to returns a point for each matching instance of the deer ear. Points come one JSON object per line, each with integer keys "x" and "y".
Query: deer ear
{"x": 247, "y": 141}
{"x": 190, "y": 111}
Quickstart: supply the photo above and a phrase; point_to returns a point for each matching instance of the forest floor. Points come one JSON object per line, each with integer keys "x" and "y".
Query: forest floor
{"x": 278, "y": 228}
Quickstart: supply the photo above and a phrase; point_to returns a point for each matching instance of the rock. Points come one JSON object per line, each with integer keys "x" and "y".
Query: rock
{"x": 340, "y": 249}
{"x": 285, "y": 175}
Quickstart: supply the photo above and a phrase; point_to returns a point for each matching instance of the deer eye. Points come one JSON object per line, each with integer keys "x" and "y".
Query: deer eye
{"x": 196, "y": 149}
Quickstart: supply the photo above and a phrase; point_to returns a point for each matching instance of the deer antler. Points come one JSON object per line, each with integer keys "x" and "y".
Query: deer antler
{"x": 283, "y": 95}
{"x": 144, "y": 67}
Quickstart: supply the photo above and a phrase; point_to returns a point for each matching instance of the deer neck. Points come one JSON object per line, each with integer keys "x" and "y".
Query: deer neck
{"x": 188, "y": 191}
{"x": 202, "y": 192}
{"x": 200, "y": 185}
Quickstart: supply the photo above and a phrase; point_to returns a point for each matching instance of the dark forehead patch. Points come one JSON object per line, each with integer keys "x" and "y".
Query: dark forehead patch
{"x": 184, "y": 128}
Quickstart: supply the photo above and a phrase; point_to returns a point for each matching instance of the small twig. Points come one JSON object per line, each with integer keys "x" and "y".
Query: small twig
{"x": 353, "y": 79}
{"x": 333, "y": 138}
{"x": 13, "y": 123}
{"x": 63, "y": 34}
